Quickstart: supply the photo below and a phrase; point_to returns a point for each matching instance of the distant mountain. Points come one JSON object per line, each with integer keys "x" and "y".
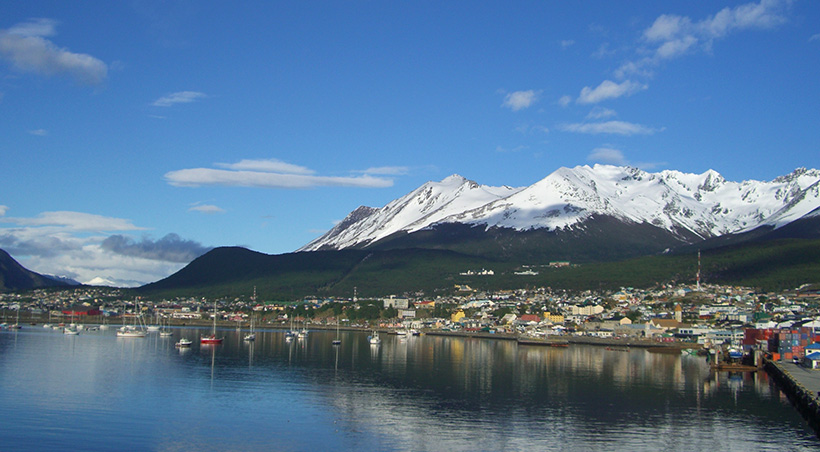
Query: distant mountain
{"x": 583, "y": 213}
{"x": 64, "y": 279}
{"x": 14, "y": 276}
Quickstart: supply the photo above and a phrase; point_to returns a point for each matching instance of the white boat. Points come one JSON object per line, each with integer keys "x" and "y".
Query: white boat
{"x": 251, "y": 336}
{"x": 374, "y": 338}
{"x": 337, "y": 341}
{"x": 130, "y": 331}
{"x": 71, "y": 330}
{"x": 182, "y": 343}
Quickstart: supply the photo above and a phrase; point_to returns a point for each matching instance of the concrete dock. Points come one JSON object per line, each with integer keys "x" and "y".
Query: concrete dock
{"x": 802, "y": 387}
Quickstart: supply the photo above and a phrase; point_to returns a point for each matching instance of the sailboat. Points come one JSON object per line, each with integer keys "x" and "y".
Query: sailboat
{"x": 337, "y": 341}
{"x": 131, "y": 330}
{"x": 72, "y": 328}
{"x": 16, "y": 325}
{"x": 164, "y": 331}
{"x": 211, "y": 338}
{"x": 251, "y": 336}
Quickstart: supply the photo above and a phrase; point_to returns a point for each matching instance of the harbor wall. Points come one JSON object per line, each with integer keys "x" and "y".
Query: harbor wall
{"x": 805, "y": 399}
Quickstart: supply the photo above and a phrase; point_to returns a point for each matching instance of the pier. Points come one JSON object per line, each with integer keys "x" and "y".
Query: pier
{"x": 802, "y": 386}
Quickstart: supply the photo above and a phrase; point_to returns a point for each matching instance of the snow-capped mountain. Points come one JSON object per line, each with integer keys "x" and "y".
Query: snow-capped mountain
{"x": 687, "y": 206}
{"x": 431, "y": 203}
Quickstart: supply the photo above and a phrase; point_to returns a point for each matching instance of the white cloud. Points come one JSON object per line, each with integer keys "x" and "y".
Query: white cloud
{"x": 180, "y": 97}
{"x": 207, "y": 209}
{"x": 609, "y": 90}
{"x": 607, "y": 155}
{"x": 25, "y": 47}
{"x": 598, "y": 112}
{"x": 815, "y": 37}
{"x": 519, "y": 100}
{"x": 74, "y": 221}
{"x": 263, "y": 174}
{"x": 564, "y": 100}
{"x": 609, "y": 127}
{"x": 38, "y": 132}
{"x": 3, "y": 210}
{"x": 266, "y": 165}
{"x": 76, "y": 245}
{"x": 671, "y": 36}
{"x": 567, "y": 43}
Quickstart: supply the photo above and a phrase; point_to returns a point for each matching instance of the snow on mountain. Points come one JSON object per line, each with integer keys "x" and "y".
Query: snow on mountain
{"x": 428, "y": 204}
{"x": 705, "y": 205}
{"x": 108, "y": 281}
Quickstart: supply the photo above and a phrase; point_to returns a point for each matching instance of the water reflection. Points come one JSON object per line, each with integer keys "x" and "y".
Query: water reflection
{"x": 418, "y": 393}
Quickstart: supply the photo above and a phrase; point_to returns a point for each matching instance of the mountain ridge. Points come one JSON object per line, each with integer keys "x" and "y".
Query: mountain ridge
{"x": 690, "y": 207}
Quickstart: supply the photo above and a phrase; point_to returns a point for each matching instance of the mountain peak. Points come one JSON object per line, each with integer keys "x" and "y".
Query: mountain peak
{"x": 682, "y": 204}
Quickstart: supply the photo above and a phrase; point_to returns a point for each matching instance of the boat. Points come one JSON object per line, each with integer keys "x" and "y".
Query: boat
{"x": 71, "y": 330}
{"x": 251, "y": 336}
{"x": 131, "y": 330}
{"x": 16, "y": 325}
{"x": 374, "y": 338}
{"x": 415, "y": 332}
{"x": 183, "y": 343}
{"x": 164, "y": 331}
{"x": 154, "y": 328}
{"x": 211, "y": 338}
{"x": 337, "y": 341}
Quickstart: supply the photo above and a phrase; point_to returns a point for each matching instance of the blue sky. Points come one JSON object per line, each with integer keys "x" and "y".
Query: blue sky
{"x": 137, "y": 134}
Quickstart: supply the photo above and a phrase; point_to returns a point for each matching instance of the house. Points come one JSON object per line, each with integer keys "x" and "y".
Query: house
{"x": 530, "y": 318}
{"x": 812, "y": 360}
{"x": 457, "y": 316}
{"x": 554, "y": 318}
{"x": 666, "y": 324}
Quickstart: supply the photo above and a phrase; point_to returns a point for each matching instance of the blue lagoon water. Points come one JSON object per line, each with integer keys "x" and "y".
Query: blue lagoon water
{"x": 97, "y": 392}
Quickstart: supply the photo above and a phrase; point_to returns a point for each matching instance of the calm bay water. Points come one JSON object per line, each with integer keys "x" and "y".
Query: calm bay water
{"x": 97, "y": 392}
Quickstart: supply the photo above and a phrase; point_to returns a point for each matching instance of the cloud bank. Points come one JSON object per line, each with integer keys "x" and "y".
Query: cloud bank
{"x": 171, "y": 248}
{"x": 79, "y": 246}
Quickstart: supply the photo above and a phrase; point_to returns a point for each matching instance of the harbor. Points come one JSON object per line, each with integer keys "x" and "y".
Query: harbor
{"x": 801, "y": 385}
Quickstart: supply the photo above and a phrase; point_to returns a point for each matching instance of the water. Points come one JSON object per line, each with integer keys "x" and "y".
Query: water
{"x": 97, "y": 392}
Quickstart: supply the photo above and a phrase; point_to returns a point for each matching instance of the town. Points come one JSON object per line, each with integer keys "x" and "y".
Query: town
{"x": 724, "y": 318}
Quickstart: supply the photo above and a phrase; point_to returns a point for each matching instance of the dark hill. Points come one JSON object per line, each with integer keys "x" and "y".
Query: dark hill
{"x": 15, "y": 277}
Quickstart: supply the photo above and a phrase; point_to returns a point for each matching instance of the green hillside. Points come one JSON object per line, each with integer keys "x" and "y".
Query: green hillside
{"x": 234, "y": 272}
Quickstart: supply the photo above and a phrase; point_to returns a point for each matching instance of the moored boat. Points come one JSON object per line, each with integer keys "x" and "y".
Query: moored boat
{"x": 211, "y": 338}
{"x": 374, "y": 339}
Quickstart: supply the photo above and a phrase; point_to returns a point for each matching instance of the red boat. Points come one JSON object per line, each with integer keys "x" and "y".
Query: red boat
{"x": 210, "y": 339}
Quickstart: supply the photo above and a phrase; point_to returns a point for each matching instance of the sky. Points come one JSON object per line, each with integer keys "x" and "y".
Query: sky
{"x": 137, "y": 135}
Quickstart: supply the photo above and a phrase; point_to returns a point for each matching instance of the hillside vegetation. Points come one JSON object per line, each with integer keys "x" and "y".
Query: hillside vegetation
{"x": 234, "y": 272}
